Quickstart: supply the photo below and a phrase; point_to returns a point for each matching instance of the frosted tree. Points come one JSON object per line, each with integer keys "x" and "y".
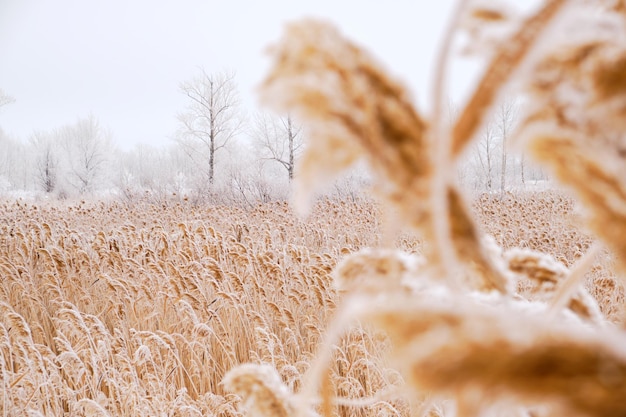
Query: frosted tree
{"x": 13, "y": 168}
{"x": 490, "y": 160}
{"x": 505, "y": 118}
{"x": 14, "y": 163}
{"x": 211, "y": 119}
{"x": 278, "y": 139}
{"x": 157, "y": 172}
{"x": 87, "y": 148}
{"x": 46, "y": 161}
{"x": 484, "y": 156}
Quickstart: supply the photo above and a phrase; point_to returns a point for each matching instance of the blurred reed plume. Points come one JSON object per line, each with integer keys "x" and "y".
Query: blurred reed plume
{"x": 473, "y": 328}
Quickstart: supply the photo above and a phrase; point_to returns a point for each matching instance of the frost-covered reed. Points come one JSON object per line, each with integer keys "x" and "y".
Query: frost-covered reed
{"x": 475, "y": 326}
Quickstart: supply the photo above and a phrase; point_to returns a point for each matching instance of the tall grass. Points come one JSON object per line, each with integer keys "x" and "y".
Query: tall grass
{"x": 475, "y": 328}
{"x": 142, "y": 310}
{"x": 502, "y": 305}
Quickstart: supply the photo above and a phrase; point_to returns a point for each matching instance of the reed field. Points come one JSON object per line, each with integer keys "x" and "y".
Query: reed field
{"x": 120, "y": 310}
{"x": 141, "y": 310}
{"x": 424, "y": 301}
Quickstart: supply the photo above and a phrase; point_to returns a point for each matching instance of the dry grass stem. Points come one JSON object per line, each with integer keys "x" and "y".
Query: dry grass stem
{"x": 484, "y": 350}
{"x": 457, "y": 347}
{"x": 361, "y": 109}
{"x": 499, "y": 72}
{"x": 263, "y": 390}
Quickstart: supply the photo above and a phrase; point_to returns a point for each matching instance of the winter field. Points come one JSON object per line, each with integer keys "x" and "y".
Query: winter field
{"x": 449, "y": 291}
{"x": 117, "y": 310}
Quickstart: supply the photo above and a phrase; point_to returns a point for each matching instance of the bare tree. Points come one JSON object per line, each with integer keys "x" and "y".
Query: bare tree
{"x": 150, "y": 171}
{"x": 504, "y": 122}
{"x": 278, "y": 139}
{"x": 484, "y": 154}
{"x": 212, "y": 115}
{"x": 46, "y": 162}
{"x": 13, "y": 163}
{"x": 87, "y": 147}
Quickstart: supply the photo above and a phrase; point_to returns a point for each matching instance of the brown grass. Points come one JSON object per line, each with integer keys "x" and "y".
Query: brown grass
{"x": 506, "y": 306}
{"x": 481, "y": 327}
{"x": 141, "y": 310}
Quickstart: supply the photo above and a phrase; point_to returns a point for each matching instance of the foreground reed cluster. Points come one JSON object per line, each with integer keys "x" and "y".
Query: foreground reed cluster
{"x": 473, "y": 327}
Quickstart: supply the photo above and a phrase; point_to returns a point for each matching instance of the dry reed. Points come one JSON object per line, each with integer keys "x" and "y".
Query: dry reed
{"x": 174, "y": 309}
{"x": 144, "y": 309}
{"x": 452, "y": 335}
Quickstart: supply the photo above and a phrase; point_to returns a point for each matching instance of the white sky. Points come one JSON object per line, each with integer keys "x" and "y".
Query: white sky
{"x": 123, "y": 60}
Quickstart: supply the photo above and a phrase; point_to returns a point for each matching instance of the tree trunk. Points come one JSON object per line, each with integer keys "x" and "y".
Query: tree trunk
{"x": 291, "y": 150}
{"x": 503, "y": 173}
{"x": 212, "y": 161}
{"x": 211, "y": 135}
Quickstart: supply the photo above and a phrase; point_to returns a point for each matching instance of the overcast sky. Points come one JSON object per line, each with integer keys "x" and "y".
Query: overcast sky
{"x": 123, "y": 60}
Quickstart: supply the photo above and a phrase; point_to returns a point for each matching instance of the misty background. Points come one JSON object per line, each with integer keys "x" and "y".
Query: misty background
{"x": 98, "y": 96}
